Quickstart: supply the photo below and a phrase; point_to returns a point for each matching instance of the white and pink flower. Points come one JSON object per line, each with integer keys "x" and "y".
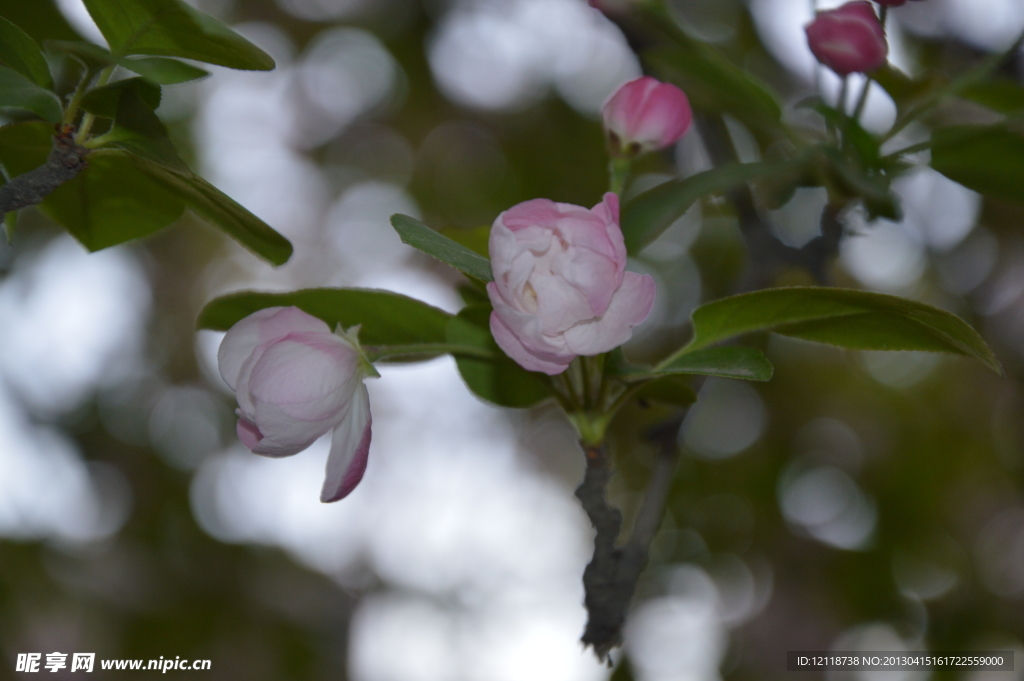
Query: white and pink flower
{"x": 295, "y": 381}
{"x": 560, "y": 287}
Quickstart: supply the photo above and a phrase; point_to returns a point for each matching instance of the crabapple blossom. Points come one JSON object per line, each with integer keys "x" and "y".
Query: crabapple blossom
{"x": 295, "y": 381}
{"x": 560, "y": 287}
{"x": 644, "y": 115}
{"x": 849, "y": 39}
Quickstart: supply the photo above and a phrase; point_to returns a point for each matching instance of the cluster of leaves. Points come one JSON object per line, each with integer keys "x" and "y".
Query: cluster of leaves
{"x": 135, "y": 182}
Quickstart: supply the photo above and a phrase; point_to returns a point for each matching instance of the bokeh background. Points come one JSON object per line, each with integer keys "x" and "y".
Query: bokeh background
{"x": 858, "y": 501}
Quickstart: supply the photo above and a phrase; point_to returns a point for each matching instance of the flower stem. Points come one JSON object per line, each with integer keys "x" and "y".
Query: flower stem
{"x": 89, "y": 119}
{"x": 618, "y": 175}
{"x": 863, "y": 99}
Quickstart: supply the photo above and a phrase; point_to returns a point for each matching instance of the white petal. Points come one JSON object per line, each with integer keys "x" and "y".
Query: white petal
{"x": 350, "y": 446}
{"x": 260, "y": 327}
{"x": 630, "y": 305}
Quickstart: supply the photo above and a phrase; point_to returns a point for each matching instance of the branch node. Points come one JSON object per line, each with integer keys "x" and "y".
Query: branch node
{"x": 65, "y": 161}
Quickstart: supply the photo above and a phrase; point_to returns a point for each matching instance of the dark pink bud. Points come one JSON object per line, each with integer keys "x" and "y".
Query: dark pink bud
{"x": 645, "y": 114}
{"x": 849, "y": 39}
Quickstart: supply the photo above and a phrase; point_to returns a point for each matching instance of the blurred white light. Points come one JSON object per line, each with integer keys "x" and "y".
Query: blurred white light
{"x": 678, "y": 637}
{"x": 876, "y": 636}
{"x": 71, "y": 320}
{"x": 968, "y": 265}
{"x": 882, "y": 255}
{"x": 244, "y": 128}
{"x": 999, "y": 554}
{"x": 344, "y": 73}
{"x": 799, "y": 220}
{"x": 729, "y": 417}
{"x": 504, "y": 55}
{"x": 938, "y": 210}
{"x": 359, "y": 227}
{"x": 827, "y": 504}
{"x": 828, "y": 440}
{"x": 321, "y": 10}
{"x": 184, "y": 425}
{"x": 988, "y": 24}
{"x": 78, "y": 16}
{"x": 47, "y": 491}
{"x": 400, "y": 637}
{"x": 900, "y": 370}
{"x": 446, "y": 509}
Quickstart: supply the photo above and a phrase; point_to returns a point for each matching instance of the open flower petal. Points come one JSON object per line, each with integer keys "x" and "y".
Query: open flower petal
{"x": 350, "y": 448}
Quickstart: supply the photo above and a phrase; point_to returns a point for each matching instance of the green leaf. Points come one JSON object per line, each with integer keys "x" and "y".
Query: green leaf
{"x": 172, "y": 28}
{"x": 19, "y": 52}
{"x": 731, "y": 361}
{"x": 500, "y": 381}
{"x": 136, "y": 128}
{"x": 989, "y": 160}
{"x": 715, "y": 84}
{"x": 10, "y": 224}
{"x": 902, "y": 88}
{"x": 475, "y": 239}
{"x": 138, "y": 131}
{"x": 647, "y": 215}
{"x": 93, "y": 56}
{"x": 220, "y": 210}
{"x": 24, "y": 146}
{"x": 108, "y": 203}
{"x": 18, "y": 91}
{"x": 41, "y": 19}
{"x": 386, "y": 318}
{"x": 858, "y": 320}
{"x": 673, "y": 389}
{"x": 418, "y": 235}
{"x": 999, "y": 94}
{"x": 163, "y": 71}
{"x": 866, "y": 146}
{"x": 104, "y": 101}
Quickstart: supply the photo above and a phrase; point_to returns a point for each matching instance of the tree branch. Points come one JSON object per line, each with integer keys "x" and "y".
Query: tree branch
{"x": 65, "y": 161}
{"x": 766, "y": 254}
{"x": 611, "y": 576}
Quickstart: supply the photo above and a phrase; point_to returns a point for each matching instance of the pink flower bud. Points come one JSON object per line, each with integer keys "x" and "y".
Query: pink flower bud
{"x": 560, "y": 287}
{"x": 645, "y": 114}
{"x": 849, "y": 39}
{"x": 295, "y": 380}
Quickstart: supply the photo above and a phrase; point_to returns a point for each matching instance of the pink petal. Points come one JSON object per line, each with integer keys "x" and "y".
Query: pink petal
{"x": 849, "y": 39}
{"x": 648, "y": 113}
{"x": 308, "y": 375}
{"x": 350, "y": 449}
{"x": 262, "y": 326}
{"x": 630, "y": 305}
{"x": 248, "y": 433}
{"x": 514, "y": 348}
